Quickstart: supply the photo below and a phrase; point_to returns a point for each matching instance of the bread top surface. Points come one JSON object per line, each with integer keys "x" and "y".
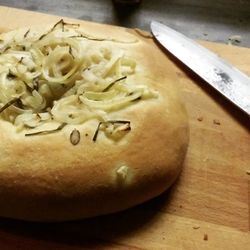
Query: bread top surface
{"x": 139, "y": 165}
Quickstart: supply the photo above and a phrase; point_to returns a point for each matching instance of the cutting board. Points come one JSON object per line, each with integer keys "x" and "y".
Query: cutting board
{"x": 207, "y": 208}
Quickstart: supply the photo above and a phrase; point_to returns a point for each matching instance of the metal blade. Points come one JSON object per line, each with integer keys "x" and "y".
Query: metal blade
{"x": 224, "y": 77}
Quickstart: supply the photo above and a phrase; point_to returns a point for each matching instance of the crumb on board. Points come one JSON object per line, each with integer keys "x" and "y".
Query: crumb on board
{"x": 248, "y": 172}
{"x": 180, "y": 206}
{"x": 205, "y": 159}
{"x": 196, "y": 227}
{"x": 216, "y": 122}
{"x": 205, "y": 237}
{"x": 200, "y": 118}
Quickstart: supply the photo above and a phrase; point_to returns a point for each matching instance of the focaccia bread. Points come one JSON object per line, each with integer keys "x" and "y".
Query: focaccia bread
{"x": 90, "y": 122}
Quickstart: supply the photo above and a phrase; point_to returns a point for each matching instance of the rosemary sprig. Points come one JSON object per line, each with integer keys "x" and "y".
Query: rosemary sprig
{"x": 70, "y": 52}
{"x": 26, "y": 33}
{"x": 117, "y": 121}
{"x": 5, "y": 49}
{"x": 10, "y": 75}
{"x": 60, "y": 22}
{"x": 21, "y": 60}
{"x": 56, "y": 24}
{"x": 71, "y": 24}
{"x": 96, "y": 132}
{"x": 35, "y": 83}
{"x": 45, "y": 132}
{"x": 136, "y": 99}
{"x": 89, "y": 38}
{"x": 45, "y": 34}
{"x": 113, "y": 83}
{"x": 30, "y": 89}
{"x": 8, "y": 104}
{"x": 106, "y": 122}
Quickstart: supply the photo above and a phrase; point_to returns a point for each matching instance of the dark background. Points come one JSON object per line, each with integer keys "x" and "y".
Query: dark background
{"x": 213, "y": 20}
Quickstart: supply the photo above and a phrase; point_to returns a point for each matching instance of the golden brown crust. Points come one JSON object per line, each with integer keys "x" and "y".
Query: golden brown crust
{"x": 46, "y": 178}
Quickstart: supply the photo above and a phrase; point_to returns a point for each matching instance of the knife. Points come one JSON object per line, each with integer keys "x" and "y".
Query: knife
{"x": 221, "y": 75}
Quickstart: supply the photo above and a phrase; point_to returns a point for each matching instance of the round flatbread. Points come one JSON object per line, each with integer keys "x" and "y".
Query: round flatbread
{"x": 90, "y": 119}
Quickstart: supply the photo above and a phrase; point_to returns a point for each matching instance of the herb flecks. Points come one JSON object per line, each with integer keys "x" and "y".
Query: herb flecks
{"x": 45, "y": 34}
{"x": 96, "y": 132}
{"x": 28, "y": 86}
{"x": 60, "y": 22}
{"x": 8, "y": 104}
{"x": 70, "y": 52}
{"x": 113, "y": 83}
{"x": 89, "y": 38}
{"x": 19, "y": 104}
{"x": 56, "y": 24}
{"x": 5, "y": 49}
{"x": 42, "y": 36}
{"x": 21, "y": 60}
{"x": 35, "y": 83}
{"x": 71, "y": 24}
{"x": 85, "y": 36}
{"x": 136, "y": 99}
{"x": 10, "y": 75}
{"x": 46, "y": 132}
{"x": 75, "y": 137}
{"x": 26, "y": 33}
{"x": 109, "y": 122}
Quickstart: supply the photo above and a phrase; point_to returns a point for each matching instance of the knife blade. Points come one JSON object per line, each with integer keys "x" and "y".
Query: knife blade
{"x": 221, "y": 75}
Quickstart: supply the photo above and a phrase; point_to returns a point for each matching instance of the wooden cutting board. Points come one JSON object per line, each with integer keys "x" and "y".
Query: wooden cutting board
{"x": 207, "y": 208}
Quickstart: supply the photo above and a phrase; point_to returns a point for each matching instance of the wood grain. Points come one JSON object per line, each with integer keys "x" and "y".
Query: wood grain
{"x": 207, "y": 208}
